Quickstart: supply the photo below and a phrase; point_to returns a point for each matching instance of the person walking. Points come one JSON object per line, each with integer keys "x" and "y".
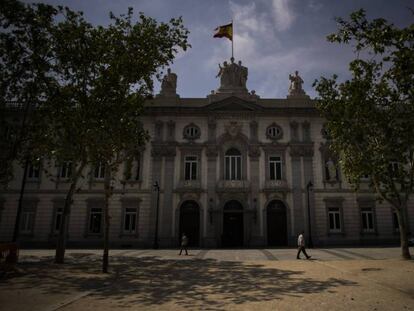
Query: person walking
{"x": 301, "y": 246}
{"x": 184, "y": 243}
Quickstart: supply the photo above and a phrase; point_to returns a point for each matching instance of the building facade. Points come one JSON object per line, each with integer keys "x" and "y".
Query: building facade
{"x": 233, "y": 170}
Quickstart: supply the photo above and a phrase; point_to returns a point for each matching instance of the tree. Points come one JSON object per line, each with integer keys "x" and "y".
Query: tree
{"x": 25, "y": 79}
{"x": 370, "y": 118}
{"x": 103, "y": 75}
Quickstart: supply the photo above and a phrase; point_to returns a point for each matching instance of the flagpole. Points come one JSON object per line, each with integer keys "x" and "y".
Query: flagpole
{"x": 232, "y": 41}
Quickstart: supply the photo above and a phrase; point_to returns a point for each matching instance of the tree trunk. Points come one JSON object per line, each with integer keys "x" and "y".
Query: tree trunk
{"x": 63, "y": 232}
{"x": 20, "y": 204}
{"x": 108, "y": 194}
{"x": 403, "y": 233}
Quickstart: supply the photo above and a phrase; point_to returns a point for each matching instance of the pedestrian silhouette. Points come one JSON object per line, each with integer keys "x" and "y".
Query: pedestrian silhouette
{"x": 301, "y": 246}
{"x": 184, "y": 243}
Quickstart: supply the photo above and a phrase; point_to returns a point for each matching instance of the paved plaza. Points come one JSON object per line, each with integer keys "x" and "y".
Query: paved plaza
{"x": 215, "y": 279}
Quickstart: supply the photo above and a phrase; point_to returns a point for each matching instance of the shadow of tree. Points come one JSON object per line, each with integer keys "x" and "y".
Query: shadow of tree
{"x": 208, "y": 284}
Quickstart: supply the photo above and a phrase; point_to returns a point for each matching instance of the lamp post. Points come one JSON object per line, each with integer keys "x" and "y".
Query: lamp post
{"x": 157, "y": 188}
{"x": 308, "y": 188}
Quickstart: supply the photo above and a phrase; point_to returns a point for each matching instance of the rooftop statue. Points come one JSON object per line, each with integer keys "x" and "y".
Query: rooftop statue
{"x": 296, "y": 84}
{"x": 295, "y": 88}
{"x": 233, "y": 77}
{"x": 169, "y": 83}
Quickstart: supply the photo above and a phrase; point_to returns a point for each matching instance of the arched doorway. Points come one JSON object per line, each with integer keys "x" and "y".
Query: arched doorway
{"x": 190, "y": 222}
{"x": 232, "y": 224}
{"x": 276, "y": 224}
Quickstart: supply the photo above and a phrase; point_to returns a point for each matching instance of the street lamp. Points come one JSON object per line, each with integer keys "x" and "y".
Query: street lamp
{"x": 157, "y": 188}
{"x": 308, "y": 188}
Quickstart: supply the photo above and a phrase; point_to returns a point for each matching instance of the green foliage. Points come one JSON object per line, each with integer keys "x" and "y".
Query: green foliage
{"x": 371, "y": 116}
{"x": 25, "y": 74}
{"x": 87, "y": 83}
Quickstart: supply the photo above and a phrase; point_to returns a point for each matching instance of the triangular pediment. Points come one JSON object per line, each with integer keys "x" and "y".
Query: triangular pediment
{"x": 234, "y": 103}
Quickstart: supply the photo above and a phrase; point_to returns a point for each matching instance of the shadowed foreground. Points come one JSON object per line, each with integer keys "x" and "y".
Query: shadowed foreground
{"x": 156, "y": 283}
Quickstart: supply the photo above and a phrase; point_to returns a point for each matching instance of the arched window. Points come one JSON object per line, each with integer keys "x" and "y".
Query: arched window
{"x": 232, "y": 160}
{"x": 191, "y": 132}
{"x": 274, "y": 132}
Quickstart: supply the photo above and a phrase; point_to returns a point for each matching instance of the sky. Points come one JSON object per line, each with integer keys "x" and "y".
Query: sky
{"x": 273, "y": 38}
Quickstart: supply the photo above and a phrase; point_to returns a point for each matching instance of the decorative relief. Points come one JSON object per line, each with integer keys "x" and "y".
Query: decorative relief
{"x": 233, "y": 128}
{"x": 162, "y": 150}
{"x": 294, "y": 131}
{"x": 233, "y": 185}
{"x": 254, "y": 151}
{"x": 301, "y": 150}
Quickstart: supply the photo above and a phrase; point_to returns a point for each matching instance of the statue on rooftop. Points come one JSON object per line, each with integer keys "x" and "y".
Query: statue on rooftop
{"x": 169, "y": 83}
{"x": 296, "y": 82}
{"x": 233, "y": 77}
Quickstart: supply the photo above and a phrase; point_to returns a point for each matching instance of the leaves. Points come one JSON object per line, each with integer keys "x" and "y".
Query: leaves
{"x": 371, "y": 117}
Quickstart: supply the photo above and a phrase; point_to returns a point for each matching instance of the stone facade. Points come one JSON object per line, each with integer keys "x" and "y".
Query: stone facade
{"x": 233, "y": 170}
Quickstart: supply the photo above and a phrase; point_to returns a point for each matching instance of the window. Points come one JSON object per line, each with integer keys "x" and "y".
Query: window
{"x": 27, "y": 221}
{"x": 334, "y": 216}
{"x": 275, "y": 166}
{"x": 33, "y": 172}
{"x": 190, "y": 168}
{"x": 191, "y": 132}
{"x": 65, "y": 170}
{"x": 130, "y": 220}
{"x": 233, "y": 164}
{"x": 99, "y": 171}
{"x": 395, "y": 223}
{"x": 58, "y": 220}
{"x": 274, "y": 132}
{"x": 95, "y": 220}
{"x": 367, "y": 215}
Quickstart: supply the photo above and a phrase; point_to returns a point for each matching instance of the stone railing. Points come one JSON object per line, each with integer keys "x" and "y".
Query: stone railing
{"x": 189, "y": 185}
{"x": 233, "y": 185}
{"x": 275, "y": 185}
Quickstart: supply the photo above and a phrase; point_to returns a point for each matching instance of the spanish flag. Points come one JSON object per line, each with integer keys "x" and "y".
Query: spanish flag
{"x": 224, "y": 31}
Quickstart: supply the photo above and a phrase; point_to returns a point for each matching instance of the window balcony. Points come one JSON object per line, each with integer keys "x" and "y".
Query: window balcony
{"x": 275, "y": 186}
{"x": 189, "y": 185}
{"x": 233, "y": 186}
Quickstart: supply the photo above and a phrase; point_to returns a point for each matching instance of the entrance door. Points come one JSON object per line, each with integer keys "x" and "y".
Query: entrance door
{"x": 232, "y": 224}
{"x": 276, "y": 224}
{"x": 190, "y": 222}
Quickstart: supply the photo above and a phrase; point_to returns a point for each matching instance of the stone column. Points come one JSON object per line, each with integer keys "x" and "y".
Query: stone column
{"x": 166, "y": 211}
{"x": 211, "y": 153}
{"x": 308, "y": 176}
{"x": 254, "y": 154}
{"x": 155, "y": 176}
{"x": 297, "y": 195}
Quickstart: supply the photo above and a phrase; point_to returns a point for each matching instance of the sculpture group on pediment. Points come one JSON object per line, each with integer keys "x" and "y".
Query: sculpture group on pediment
{"x": 232, "y": 75}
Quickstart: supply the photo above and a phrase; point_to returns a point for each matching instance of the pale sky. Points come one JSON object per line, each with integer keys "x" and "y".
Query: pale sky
{"x": 273, "y": 38}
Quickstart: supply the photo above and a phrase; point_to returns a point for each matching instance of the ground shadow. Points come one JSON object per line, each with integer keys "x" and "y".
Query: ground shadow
{"x": 192, "y": 283}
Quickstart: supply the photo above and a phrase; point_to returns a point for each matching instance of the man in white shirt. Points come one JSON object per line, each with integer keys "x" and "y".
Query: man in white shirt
{"x": 301, "y": 246}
